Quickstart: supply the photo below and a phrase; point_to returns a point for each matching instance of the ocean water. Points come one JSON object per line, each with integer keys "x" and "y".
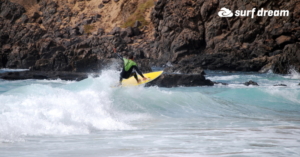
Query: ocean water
{"x": 45, "y": 118}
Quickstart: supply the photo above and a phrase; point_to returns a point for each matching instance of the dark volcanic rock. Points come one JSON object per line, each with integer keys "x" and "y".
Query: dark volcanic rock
{"x": 144, "y": 65}
{"x": 224, "y": 84}
{"x": 105, "y": 1}
{"x": 251, "y": 83}
{"x": 192, "y": 31}
{"x": 137, "y": 24}
{"x": 283, "y": 85}
{"x": 11, "y": 11}
{"x": 24, "y": 18}
{"x": 179, "y": 29}
{"x": 176, "y": 80}
{"x": 290, "y": 56}
{"x": 128, "y": 32}
{"x": 188, "y": 33}
{"x": 100, "y": 5}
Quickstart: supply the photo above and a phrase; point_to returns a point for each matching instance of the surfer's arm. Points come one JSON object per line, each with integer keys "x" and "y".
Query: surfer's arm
{"x": 118, "y": 55}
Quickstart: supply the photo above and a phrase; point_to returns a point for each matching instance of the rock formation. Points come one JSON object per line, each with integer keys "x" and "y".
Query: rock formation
{"x": 251, "y": 83}
{"x": 177, "y": 80}
{"x": 55, "y": 35}
{"x": 191, "y": 32}
{"x": 186, "y": 36}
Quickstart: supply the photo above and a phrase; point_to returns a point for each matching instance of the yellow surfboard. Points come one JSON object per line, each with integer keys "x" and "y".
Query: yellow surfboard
{"x": 132, "y": 81}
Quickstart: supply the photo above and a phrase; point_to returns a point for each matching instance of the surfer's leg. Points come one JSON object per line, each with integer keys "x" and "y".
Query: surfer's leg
{"x": 135, "y": 76}
{"x": 121, "y": 78}
{"x": 122, "y": 75}
{"x": 125, "y": 75}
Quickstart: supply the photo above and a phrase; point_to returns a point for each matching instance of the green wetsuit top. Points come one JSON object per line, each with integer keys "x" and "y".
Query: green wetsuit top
{"x": 128, "y": 64}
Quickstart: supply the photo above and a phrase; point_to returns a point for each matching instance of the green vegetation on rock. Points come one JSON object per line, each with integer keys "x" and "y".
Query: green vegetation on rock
{"x": 88, "y": 29}
{"x": 139, "y": 14}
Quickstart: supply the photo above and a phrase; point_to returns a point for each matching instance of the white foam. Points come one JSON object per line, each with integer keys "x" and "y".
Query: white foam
{"x": 291, "y": 94}
{"x": 44, "y": 110}
{"x": 55, "y": 81}
{"x": 91, "y": 105}
{"x": 293, "y": 74}
{"x": 231, "y": 77}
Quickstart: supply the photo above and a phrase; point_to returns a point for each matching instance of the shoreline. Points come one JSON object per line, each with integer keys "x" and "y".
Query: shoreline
{"x": 167, "y": 79}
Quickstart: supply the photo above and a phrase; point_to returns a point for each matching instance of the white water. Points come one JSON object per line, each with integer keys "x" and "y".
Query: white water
{"x": 88, "y": 118}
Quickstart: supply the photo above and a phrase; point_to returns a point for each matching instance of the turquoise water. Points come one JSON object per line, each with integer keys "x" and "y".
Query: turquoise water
{"x": 88, "y": 118}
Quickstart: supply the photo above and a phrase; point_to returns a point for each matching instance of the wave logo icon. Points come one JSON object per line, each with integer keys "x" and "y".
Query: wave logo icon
{"x": 224, "y": 12}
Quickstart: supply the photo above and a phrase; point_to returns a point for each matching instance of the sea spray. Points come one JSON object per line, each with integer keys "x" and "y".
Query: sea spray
{"x": 293, "y": 74}
{"x": 44, "y": 110}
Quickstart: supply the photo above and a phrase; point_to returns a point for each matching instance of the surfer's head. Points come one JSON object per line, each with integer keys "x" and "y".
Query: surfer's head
{"x": 131, "y": 55}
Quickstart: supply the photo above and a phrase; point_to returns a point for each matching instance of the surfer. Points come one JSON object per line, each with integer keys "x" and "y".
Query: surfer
{"x": 130, "y": 68}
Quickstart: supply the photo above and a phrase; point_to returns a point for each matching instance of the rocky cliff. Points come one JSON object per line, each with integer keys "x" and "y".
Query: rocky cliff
{"x": 78, "y": 35}
{"x": 191, "y": 32}
{"x": 71, "y": 35}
